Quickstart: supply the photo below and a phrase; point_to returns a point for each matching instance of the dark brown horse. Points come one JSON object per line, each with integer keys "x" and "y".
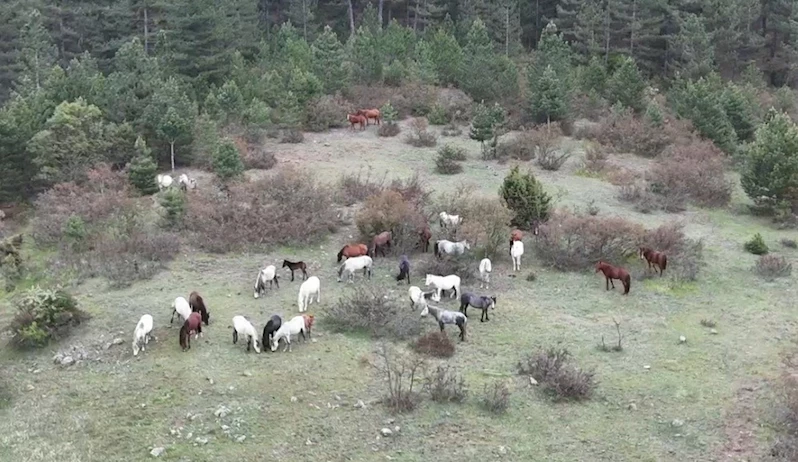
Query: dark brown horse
{"x": 352, "y": 250}
{"x": 192, "y": 325}
{"x": 612, "y": 272}
{"x": 197, "y": 305}
{"x": 515, "y": 235}
{"x": 294, "y": 266}
{"x": 424, "y": 235}
{"x": 371, "y": 114}
{"x": 381, "y": 241}
{"x": 657, "y": 259}
{"x": 355, "y": 119}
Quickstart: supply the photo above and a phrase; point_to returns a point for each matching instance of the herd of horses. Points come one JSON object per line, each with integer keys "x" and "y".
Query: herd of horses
{"x": 360, "y": 257}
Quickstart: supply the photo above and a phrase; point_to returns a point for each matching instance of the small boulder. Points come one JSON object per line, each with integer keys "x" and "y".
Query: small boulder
{"x": 156, "y": 452}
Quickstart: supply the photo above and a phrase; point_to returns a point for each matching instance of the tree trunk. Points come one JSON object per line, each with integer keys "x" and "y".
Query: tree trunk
{"x": 379, "y": 11}
{"x": 172, "y": 146}
{"x": 146, "y": 31}
{"x": 351, "y": 17}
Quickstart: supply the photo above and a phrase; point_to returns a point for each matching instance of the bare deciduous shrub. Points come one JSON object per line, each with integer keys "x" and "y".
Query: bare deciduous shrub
{"x": 288, "y": 208}
{"x": 695, "y": 170}
{"x": 389, "y": 129}
{"x": 366, "y": 309}
{"x": 445, "y": 385}
{"x": 434, "y": 344}
{"x": 572, "y": 242}
{"x": 401, "y": 372}
{"x": 485, "y": 225}
{"x": 419, "y": 136}
{"x": 557, "y": 376}
{"x": 44, "y": 315}
{"x": 327, "y": 112}
{"x": 496, "y": 397}
{"x": 772, "y": 266}
{"x": 390, "y": 211}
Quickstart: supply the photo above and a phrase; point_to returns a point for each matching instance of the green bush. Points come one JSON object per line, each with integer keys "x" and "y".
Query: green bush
{"x": 44, "y": 315}
{"x": 756, "y": 245}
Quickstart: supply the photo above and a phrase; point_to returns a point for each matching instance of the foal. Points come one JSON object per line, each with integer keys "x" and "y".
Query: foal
{"x": 612, "y": 272}
{"x": 294, "y": 266}
{"x": 657, "y": 259}
{"x": 404, "y": 269}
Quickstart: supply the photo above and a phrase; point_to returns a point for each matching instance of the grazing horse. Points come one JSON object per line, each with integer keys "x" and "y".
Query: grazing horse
{"x": 363, "y": 262}
{"x": 450, "y": 282}
{"x": 516, "y": 251}
{"x": 307, "y": 290}
{"x": 657, "y": 259}
{"x": 485, "y": 268}
{"x": 448, "y": 221}
{"x": 371, "y": 114}
{"x": 404, "y": 269}
{"x": 186, "y": 183}
{"x": 192, "y": 324}
{"x": 141, "y": 336}
{"x": 197, "y": 305}
{"x": 272, "y": 325}
{"x": 352, "y": 250}
{"x": 293, "y": 266}
{"x": 268, "y": 274}
{"x": 296, "y": 326}
{"x": 447, "y": 317}
{"x": 612, "y": 272}
{"x": 181, "y": 307}
{"x": 164, "y": 181}
{"x": 483, "y": 302}
{"x": 243, "y": 327}
{"x": 355, "y": 119}
{"x": 450, "y": 248}
{"x": 381, "y": 241}
{"x": 424, "y": 235}
{"x": 515, "y": 235}
{"x": 309, "y": 320}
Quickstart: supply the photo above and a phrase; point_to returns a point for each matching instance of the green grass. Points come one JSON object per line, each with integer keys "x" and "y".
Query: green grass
{"x": 120, "y": 407}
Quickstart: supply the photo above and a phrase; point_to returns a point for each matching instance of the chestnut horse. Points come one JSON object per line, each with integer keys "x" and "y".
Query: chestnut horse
{"x": 515, "y": 235}
{"x": 381, "y": 241}
{"x": 657, "y": 259}
{"x": 424, "y": 235}
{"x": 352, "y": 250}
{"x": 355, "y": 119}
{"x": 612, "y": 272}
{"x": 371, "y": 114}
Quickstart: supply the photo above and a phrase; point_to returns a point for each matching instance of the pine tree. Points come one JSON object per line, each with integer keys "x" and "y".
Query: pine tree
{"x": 328, "y": 61}
{"x": 142, "y": 170}
{"x": 770, "y": 173}
{"x": 227, "y": 161}
{"x": 627, "y": 86}
{"x": 525, "y": 196}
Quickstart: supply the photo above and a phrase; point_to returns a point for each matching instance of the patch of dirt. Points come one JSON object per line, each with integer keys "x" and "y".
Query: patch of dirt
{"x": 741, "y": 423}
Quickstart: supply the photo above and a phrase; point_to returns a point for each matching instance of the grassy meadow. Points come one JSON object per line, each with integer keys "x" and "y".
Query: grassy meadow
{"x": 708, "y": 399}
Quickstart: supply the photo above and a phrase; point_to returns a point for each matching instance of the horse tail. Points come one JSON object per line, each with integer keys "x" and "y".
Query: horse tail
{"x": 664, "y": 262}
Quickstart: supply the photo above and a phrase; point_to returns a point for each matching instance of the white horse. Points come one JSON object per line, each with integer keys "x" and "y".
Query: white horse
{"x": 268, "y": 274}
{"x": 164, "y": 181}
{"x": 243, "y": 327}
{"x": 296, "y": 326}
{"x": 141, "y": 336}
{"x": 450, "y": 248}
{"x": 307, "y": 290}
{"x": 450, "y": 282}
{"x": 447, "y": 220}
{"x": 180, "y": 307}
{"x": 186, "y": 183}
{"x": 363, "y": 262}
{"x": 516, "y": 251}
{"x": 485, "y": 268}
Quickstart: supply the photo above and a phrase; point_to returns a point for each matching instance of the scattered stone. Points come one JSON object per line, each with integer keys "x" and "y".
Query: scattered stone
{"x": 294, "y": 399}
{"x": 156, "y": 452}
{"x": 241, "y": 439}
{"x": 201, "y": 440}
{"x": 632, "y": 407}
{"x": 118, "y": 341}
{"x": 682, "y": 339}
{"x": 30, "y": 387}
{"x": 532, "y": 381}
{"x": 247, "y": 374}
{"x": 386, "y": 432}
{"x": 677, "y": 422}
{"x": 360, "y": 404}
{"x": 713, "y": 331}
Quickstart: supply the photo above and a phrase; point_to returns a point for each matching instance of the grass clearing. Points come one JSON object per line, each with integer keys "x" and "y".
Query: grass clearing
{"x": 658, "y": 399}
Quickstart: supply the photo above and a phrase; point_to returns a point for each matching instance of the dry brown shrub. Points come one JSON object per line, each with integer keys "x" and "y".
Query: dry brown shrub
{"x": 390, "y": 211}
{"x": 627, "y": 133}
{"x": 570, "y": 242}
{"x": 419, "y": 136}
{"x": 434, "y": 344}
{"x": 288, "y": 208}
{"x": 695, "y": 170}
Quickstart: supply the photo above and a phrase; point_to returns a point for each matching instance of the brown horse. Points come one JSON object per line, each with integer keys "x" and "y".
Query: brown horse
{"x": 296, "y": 265}
{"x": 197, "y": 305}
{"x": 515, "y": 235}
{"x": 355, "y": 119}
{"x": 309, "y": 320}
{"x": 424, "y": 235}
{"x": 352, "y": 250}
{"x": 657, "y": 259}
{"x": 192, "y": 325}
{"x": 381, "y": 241}
{"x": 612, "y": 272}
{"x": 371, "y": 114}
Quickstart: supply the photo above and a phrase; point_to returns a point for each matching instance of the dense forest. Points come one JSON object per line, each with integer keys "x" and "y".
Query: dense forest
{"x": 90, "y": 81}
